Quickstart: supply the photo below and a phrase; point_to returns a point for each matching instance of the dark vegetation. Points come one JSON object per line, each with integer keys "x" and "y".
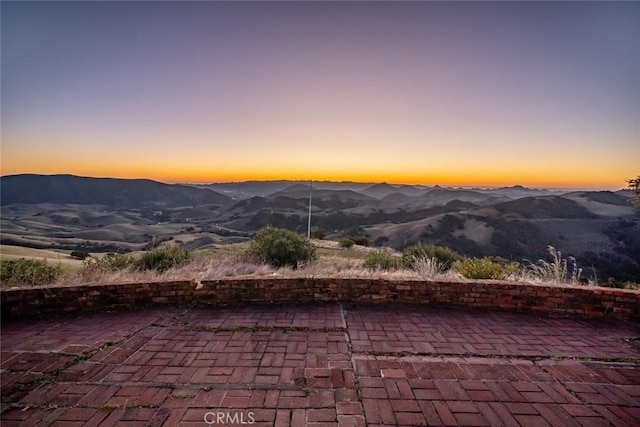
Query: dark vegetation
{"x": 382, "y": 260}
{"x": 39, "y": 272}
{"x": 485, "y": 268}
{"x": 440, "y": 259}
{"x": 81, "y": 255}
{"x": 281, "y": 248}
{"x": 623, "y": 263}
{"x": 419, "y": 252}
{"x": 159, "y": 259}
{"x": 28, "y": 271}
{"x": 110, "y": 261}
{"x": 349, "y": 241}
{"x": 634, "y": 186}
{"x": 89, "y": 247}
{"x": 163, "y": 258}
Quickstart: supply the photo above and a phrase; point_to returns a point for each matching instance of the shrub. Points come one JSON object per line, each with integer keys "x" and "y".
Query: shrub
{"x": 382, "y": 260}
{"x": 613, "y": 283}
{"x": 361, "y": 240}
{"x": 634, "y": 185}
{"x": 319, "y": 234}
{"x": 484, "y": 268}
{"x": 560, "y": 270}
{"x": 281, "y": 247}
{"x": 81, "y": 255}
{"x": 110, "y": 261}
{"x": 346, "y": 242}
{"x": 163, "y": 258}
{"x": 418, "y": 252}
{"x": 631, "y": 286}
{"x": 28, "y": 271}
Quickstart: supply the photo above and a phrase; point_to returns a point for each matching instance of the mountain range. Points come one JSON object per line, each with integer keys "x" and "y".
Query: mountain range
{"x": 601, "y": 229}
{"x": 117, "y": 193}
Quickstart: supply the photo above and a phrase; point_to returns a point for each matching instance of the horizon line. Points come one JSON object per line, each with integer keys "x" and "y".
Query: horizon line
{"x": 338, "y": 181}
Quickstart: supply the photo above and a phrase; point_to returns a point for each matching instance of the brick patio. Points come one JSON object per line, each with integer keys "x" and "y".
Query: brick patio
{"x": 316, "y": 365}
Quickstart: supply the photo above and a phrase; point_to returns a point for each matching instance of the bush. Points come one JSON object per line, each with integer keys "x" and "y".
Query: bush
{"x": 319, "y": 234}
{"x": 163, "y": 258}
{"x": 28, "y": 271}
{"x": 346, "y": 242}
{"x": 484, "y": 268}
{"x": 281, "y": 247}
{"x": 632, "y": 286}
{"x": 81, "y": 255}
{"x": 634, "y": 185}
{"x": 360, "y": 240}
{"x": 110, "y": 261}
{"x": 382, "y": 260}
{"x": 416, "y": 253}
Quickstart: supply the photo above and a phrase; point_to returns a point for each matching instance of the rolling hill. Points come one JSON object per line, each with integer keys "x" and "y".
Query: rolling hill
{"x": 601, "y": 229}
{"x": 112, "y": 192}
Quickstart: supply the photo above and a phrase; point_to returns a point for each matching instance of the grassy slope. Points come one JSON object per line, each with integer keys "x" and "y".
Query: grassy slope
{"x": 68, "y": 263}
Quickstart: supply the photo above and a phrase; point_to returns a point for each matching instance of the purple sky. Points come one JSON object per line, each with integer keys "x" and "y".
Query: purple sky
{"x": 540, "y": 94}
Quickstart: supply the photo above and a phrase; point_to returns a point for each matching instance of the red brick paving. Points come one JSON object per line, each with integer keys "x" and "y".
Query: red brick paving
{"x": 319, "y": 365}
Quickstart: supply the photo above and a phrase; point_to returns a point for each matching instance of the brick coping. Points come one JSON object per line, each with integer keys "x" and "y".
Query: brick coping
{"x": 592, "y": 302}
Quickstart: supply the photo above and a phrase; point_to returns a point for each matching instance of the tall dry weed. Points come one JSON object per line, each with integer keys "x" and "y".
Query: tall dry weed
{"x": 428, "y": 268}
{"x": 558, "y": 270}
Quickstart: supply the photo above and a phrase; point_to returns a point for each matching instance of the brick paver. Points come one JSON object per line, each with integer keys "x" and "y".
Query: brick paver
{"x": 319, "y": 365}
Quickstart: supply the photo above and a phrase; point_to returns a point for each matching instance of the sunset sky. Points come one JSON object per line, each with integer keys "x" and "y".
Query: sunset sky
{"x": 539, "y": 94}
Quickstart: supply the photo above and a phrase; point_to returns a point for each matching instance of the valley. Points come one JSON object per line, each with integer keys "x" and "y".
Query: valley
{"x": 601, "y": 229}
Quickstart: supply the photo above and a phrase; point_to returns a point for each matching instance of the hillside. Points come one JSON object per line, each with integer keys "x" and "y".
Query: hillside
{"x": 603, "y": 236}
{"x": 600, "y": 229}
{"x": 248, "y": 189}
{"x": 115, "y": 193}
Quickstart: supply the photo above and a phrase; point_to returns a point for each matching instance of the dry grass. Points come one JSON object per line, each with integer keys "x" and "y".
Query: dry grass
{"x": 216, "y": 268}
{"x": 53, "y": 257}
{"x": 432, "y": 270}
{"x": 558, "y": 270}
{"x": 201, "y": 268}
{"x": 333, "y": 262}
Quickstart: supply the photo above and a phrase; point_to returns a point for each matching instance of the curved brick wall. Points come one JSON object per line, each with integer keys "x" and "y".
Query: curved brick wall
{"x": 567, "y": 300}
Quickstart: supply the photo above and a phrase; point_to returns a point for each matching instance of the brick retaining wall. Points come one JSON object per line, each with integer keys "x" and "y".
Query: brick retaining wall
{"x": 567, "y": 300}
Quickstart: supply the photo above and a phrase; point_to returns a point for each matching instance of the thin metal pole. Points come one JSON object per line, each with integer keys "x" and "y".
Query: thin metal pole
{"x": 310, "y": 195}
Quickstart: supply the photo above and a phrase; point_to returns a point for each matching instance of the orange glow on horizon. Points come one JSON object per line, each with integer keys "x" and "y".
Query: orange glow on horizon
{"x": 227, "y": 175}
{"x": 395, "y": 167}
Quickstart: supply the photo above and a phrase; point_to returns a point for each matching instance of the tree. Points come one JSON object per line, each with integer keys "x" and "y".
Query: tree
{"x": 634, "y": 185}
